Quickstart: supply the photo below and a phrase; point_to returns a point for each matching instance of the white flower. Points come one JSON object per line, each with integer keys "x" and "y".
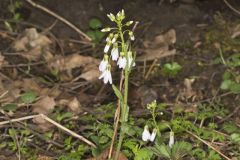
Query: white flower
{"x": 131, "y": 63}
{"x": 106, "y": 75}
{"x": 114, "y": 53}
{"x": 146, "y": 134}
{"x": 108, "y": 39}
{"x": 122, "y": 62}
{"x": 103, "y": 64}
{"x": 107, "y": 47}
{"x": 171, "y": 139}
{"x": 114, "y": 38}
{"x": 153, "y": 135}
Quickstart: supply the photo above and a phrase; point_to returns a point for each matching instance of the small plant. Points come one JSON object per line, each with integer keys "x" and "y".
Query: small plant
{"x": 171, "y": 69}
{"x": 94, "y": 33}
{"x": 122, "y": 53}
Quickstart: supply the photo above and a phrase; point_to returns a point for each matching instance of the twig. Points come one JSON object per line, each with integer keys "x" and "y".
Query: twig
{"x": 117, "y": 118}
{"x": 231, "y": 7}
{"x": 54, "y": 123}
{"x": 208, "y": 144}
{"x": 150, "y": 69}
{"x": 59, "y": 17}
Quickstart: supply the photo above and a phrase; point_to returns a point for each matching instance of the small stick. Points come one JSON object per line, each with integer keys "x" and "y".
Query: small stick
{"x": 60, "y": 18}
{"x": 54, "y": 123}
{"x": 208, "y": 144}
{"x": 231, "y": 7}
{"x": 117, "y": 118}
{"x": 150, "y": 69}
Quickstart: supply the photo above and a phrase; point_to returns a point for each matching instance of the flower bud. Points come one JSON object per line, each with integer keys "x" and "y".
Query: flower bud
{"x": 106, "y": 29}
{"x": 171, "y": 139}
{"x": 111, "y": 17}
{"x": 131, "y": 36}
{"x": 129, "y": 23}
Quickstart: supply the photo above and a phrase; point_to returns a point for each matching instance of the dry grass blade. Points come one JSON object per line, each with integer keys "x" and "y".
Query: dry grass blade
{"x": 60, "y": 18}
{"x": 52, "y": 122}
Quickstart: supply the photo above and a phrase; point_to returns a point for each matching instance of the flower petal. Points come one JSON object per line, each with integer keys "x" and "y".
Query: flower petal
{"x": 146, "y": 134}
{"x": 153, "y": 135}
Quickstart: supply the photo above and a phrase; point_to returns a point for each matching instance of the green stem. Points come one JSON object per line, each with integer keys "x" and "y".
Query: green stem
{"x": 125, "y": 98}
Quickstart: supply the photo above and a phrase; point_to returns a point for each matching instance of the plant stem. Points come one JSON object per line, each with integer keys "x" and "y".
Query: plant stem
{"x": 125, "y": 98}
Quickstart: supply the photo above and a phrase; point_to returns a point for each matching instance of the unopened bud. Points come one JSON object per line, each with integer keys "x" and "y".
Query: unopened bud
{"x": 129, "y": 23}
{"x": 111, "y": 17}
{"x": 106, "y": 29}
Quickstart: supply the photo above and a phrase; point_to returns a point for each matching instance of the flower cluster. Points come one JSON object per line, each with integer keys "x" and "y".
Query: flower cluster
{"x": 121, "y": 55}
{"x": 146, "y": 136}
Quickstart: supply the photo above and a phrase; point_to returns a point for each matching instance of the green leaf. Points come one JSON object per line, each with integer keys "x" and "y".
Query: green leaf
{"x": 235, "y": 87}
{"x": 225, "y": 85}
{"x": 103, "y": 139}
{"x": 95, "y": 23}
{"x": 171, "y": 69}
{"x": 235, "y": 137}
{"x": 99, "y": 35}
{"x": 92, "y": 35}
{"x": 65, "y": 115}
{"x": 117, "y": 92}
{"x": 28, "y": 97}
{"x": 230, "y": 127}
{"x": 227, "y": 75}
{"x": 214, "y": 156}
{"x": 143, "y": 154}
{"x": 162, "y": 151}
{"x": 9, "y": 107}
{"x": 180, "y": 149}
{"x": 131, "y": 144}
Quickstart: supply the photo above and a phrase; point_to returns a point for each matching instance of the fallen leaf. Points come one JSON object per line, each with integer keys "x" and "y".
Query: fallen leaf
{"x": 34, "y": 45}
{"x": 152, "y": 54}
{"x": 90, "y": 75}
{"x": 75, "y": 106}
{"x": 44, "y": 105}
{"x": 159, "y": 47}
{"x": 67, "y": 63}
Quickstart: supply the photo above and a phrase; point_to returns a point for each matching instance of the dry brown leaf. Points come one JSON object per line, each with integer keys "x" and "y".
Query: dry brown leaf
{"x": 90, "y": 75}
{"x": 152, "y": 54}
{"x": 34, "y": 45}
{"x": 44, "y": 105}
{"x": 75, "y": 106}
{"x": 72, "y": 61}
{"x": 159, "y": 47}
{"x": 90, "y": 66}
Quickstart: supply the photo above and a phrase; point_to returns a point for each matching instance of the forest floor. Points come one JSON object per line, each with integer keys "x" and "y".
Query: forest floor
{"x": 53, "y": 106}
